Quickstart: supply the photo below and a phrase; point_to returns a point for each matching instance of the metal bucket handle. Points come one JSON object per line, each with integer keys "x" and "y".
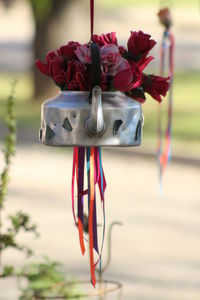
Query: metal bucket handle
{"x": 95, "y": 124}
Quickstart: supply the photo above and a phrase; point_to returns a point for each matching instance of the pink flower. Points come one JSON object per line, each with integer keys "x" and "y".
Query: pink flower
{"x": 84, "y": 54}
{"x": 104, "y": 39}
{"x": 110, "y": 59}
{"x": 68, "y": 51}
{"x": 139, "y": 44}
{"x": 155, "y": 86}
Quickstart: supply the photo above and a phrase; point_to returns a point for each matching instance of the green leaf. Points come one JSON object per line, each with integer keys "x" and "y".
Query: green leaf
{"x": 45, "y": 279}
{"x": 8, "y": 271}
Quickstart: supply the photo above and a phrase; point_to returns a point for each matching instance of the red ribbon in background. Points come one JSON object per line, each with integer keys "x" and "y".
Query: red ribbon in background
{"x": 167, "y": 53}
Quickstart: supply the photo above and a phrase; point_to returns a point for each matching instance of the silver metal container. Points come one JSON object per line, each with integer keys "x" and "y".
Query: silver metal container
{"x": 107, "y": 119}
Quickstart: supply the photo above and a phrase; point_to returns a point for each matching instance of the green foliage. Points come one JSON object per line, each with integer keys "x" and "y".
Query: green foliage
{"x": 9, "y": 144}
{"x": 8, "y": 271}
{"x": 46, "y": 8}
{"x": 44, "y": 279}
{"x": 41, "y": 9}
{"x": 18, "y": 222}
{"x": 22, "y": 221}
{"x": 154, "y": 3}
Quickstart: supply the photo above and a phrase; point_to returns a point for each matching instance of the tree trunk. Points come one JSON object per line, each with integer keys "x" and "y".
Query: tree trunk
{"x": 42, "y": 84}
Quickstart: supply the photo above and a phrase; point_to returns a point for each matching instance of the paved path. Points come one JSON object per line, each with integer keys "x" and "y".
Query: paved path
{"x": 156, "y": 253}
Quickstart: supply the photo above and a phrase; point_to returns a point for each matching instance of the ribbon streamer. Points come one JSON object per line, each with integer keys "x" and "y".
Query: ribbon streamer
{"x": 164, "y": 154}
{"x": 92, "y": 17}
{"x": 95, "y": 176}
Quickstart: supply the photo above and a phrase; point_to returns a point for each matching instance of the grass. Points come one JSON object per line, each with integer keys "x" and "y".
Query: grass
{"x": 155, "y": 3}
{"x": 186, "y": 107}
{"x": 24, "y": 87}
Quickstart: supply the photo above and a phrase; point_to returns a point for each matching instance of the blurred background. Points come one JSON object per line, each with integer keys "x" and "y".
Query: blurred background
{"x": 156, "y": 252}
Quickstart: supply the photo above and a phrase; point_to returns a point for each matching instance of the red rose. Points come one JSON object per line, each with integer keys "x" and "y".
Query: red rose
{"x": 122, "y": 50}
{"x": 123, "y": 79}
{"x": 156, "y": 86}
{"x": 104, "y": 84}
{"x": 56, "y": 66}
{"x": 76, "y": 76}
{"x": 139, "y": 44}
{"x": 53, "y": 67}
{"x": 44, "y": 68}
{"x": 72, "y": 86}
{"x": 104, "y": 39}
{"x": 131, "y": 77}
{"x": 68, "y": 50}
{"x": 60, "y": 78}
{"x": 128, "y": 79}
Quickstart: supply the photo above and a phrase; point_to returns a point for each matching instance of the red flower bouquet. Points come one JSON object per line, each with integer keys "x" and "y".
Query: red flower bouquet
{"x": 121, "y": 69}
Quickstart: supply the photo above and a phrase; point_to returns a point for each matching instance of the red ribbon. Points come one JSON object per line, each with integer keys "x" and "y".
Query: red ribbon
{"x": 95, "y": 176}
{"x": 91, "y": 212}
{"x": 92, "y": 17}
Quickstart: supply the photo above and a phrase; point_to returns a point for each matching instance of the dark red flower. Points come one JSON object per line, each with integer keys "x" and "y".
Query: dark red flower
{"x": 73, "y": 86}
{"x": 104, "y": 39}
{"x": 122, "y": 50}
{"x": 156, "y": 86}
{"x": 53, "y": 67}
{"x": 139, "y": 44}
{"x": 104, "y": 83}
{"x": 59, "y": 78}
{"x": 130, "y": 77}
{"x": 76, "y": 76}
{"x": 43, "y": 68}
{"x": 56, "y": 66}
{"x": 68, "y": 51}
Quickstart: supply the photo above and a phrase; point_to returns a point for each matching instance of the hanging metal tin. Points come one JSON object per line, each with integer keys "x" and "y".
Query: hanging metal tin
{"x": 112, "y": 119}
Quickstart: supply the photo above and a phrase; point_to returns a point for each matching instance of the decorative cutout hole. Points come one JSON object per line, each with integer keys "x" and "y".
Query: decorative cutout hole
{"x": 67, "y": 125}
{"x": 49, "y": 134}
{"x": 116, "y": 126}
{"x": 138, "y": 131}
{"x": 40, "y": 135}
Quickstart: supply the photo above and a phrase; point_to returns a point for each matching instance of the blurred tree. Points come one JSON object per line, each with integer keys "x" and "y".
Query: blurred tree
{"x": 45, "y": 13}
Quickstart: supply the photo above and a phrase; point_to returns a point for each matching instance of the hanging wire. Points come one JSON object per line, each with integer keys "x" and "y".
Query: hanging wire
{"x": 92, "y": 17}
